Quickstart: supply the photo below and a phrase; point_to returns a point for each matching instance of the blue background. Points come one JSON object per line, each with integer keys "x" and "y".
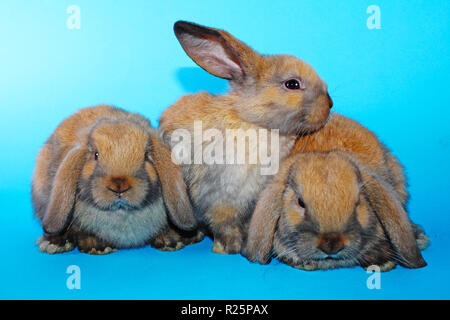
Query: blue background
{"x": 393, "y": 80}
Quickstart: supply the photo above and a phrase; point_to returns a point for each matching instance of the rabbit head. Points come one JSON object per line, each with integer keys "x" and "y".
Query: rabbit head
{"x": 324, "y": 210}
{"x": 116, "y": 164}
{"x": 272, "y": 91}
{"x": 117, "y": 173}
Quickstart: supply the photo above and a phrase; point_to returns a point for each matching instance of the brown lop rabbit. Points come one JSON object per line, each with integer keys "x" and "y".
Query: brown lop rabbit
{"x": 337, "y": 201}
{"x": 267, "y": 92}
{"x": 105, "y": 181}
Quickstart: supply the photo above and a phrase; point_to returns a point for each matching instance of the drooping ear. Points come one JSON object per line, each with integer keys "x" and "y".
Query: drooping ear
{"x": 172, "y": 184}
{"x": 263, "y": 224}
{"x": 216, "y": 51}
{"x": 63, "y": 193}
{"x": 394, "y": 220}
{"x": 265, "y": 218}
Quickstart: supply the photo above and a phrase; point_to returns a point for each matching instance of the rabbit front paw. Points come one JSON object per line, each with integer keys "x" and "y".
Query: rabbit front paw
{"x": 227, "y": 244}
{"x": 54, "y": 244}
{"x": 93, "y": 245}
{"x": 172, "y": 240}
{"x": 307, "y": 266}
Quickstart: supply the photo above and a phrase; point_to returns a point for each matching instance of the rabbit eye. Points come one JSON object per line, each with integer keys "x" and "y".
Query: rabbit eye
{"x": 96, "y": 155}
{"x": 301, "y": 203}
{"x": 293, "y": 84}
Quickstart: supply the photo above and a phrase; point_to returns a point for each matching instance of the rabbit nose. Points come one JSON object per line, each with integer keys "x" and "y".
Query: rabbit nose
{"x": 331, "y": 243}
{"x": 119, "y": 185}
{"x": 330, "y": 100}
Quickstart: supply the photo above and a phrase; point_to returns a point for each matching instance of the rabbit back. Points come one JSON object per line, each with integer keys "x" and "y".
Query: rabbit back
{"x": 344, "y": 134}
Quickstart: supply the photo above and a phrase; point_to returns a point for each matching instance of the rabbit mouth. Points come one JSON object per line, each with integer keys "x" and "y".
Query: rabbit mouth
{"x": 333, "y": 257}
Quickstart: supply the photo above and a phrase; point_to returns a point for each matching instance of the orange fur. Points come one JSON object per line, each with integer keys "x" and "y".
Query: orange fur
{"x": 105, "y": 172}
{"x": 333, "y": 189}
{"x": 295, "y": 214}
{"x": 341, "y": 171}
{"x": 258, "y": 99}
{"x": 345, "y": 134}
{"x": 345, "y": 202}
{"x": 151, "y": 172}
{"x": 41, "y": 169}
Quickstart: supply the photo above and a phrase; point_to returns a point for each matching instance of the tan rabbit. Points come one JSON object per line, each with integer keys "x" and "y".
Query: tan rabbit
{"x": 277, "y": 92}
{"x": 337, "y": 201}
{"x": 104, "y": 181}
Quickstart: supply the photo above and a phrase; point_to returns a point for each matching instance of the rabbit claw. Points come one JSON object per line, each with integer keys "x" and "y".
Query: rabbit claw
{"x": 104, "y": 251}
{"x": 306, "y": 266}
{"x": 45, "y": 245}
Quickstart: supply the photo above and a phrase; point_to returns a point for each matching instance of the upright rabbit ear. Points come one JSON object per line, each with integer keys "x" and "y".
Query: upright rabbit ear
{"x": 62, "y": 197}
{"x": 265, "y": 218}
{"x": 394, "y": 220}
{"x": 172, "y": 185}
{"x": 216, "y": 51}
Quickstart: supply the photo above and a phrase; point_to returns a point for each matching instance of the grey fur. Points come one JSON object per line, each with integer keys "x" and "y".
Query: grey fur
{"x": 123, "y": 228}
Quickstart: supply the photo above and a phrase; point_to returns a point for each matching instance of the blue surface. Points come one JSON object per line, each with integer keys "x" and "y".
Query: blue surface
{"x": 394, "y": 80}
